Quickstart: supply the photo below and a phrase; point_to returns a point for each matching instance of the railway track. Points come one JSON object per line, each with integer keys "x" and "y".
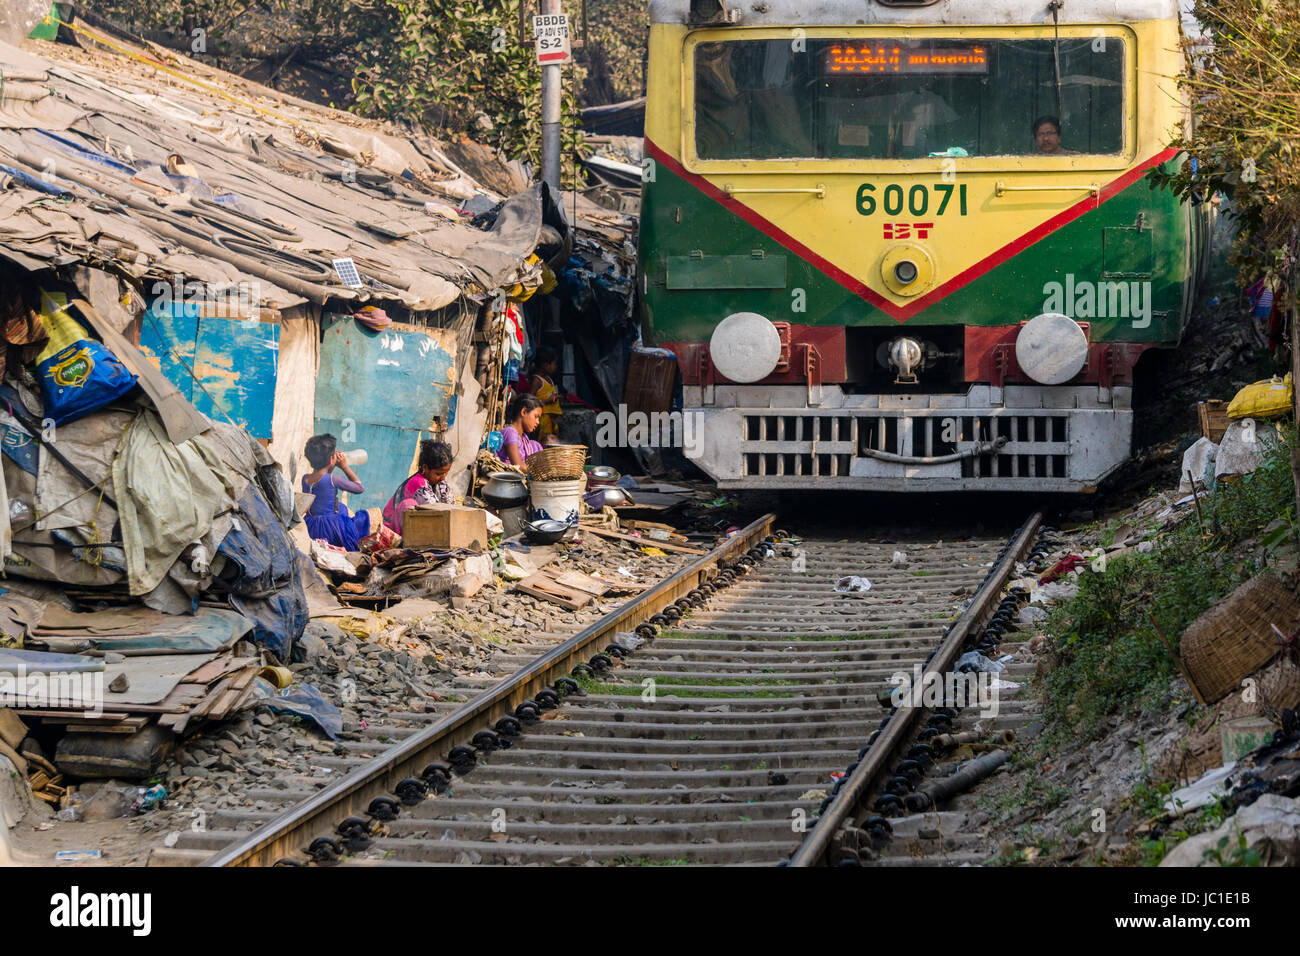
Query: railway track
{"x": 747, "y": 727}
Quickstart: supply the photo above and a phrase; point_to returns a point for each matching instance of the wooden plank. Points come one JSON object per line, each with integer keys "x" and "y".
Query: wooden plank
{"x": 581, "y": 582}
{"x": 128, "y": 726}
{"x": 542, "y": 585}
{"x": 620, "y": 536}
{"x": 64, "y": 715}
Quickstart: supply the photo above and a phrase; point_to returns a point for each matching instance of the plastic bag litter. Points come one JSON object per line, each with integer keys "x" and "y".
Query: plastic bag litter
{"x": 1201, "y": 792}
{"x": 627, "y": 641}
{"x": 974, "y": 660}
{"x": 899, "y": 558}
{"x": 1032, "y": 615}
{"x": 1198, "y": 459}
{"x": 1056, "y": 591}
{"x": 301, "y": 700}
{"x": 1242, "y": 449}
{"x": 852, "y": 583}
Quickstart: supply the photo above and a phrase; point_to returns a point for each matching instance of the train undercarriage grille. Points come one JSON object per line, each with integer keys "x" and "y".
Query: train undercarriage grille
{"x": 825, "y": 445}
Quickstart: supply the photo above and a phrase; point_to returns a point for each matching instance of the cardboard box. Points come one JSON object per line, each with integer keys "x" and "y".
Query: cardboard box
{"x": 445, "y": 527}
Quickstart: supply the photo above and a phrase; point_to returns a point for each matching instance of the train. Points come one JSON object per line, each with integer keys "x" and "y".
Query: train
{"x": 914, "y": 246}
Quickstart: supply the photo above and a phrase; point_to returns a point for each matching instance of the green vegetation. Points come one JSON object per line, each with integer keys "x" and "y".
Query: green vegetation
{"x": 1245, "y": 89}
{"x": 455, "y": 66}
{"x": 1110, "y": 658}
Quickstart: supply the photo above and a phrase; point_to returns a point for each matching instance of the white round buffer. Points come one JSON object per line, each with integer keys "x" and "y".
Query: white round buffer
{"x": 745, "y": 347}
{"x": 1051, "y": 348}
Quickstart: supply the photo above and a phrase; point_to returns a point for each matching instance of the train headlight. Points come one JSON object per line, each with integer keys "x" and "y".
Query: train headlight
{"x": 1051, "y": 348}
{"x": 745, "y": 347}
{"x": 907, "y": 269}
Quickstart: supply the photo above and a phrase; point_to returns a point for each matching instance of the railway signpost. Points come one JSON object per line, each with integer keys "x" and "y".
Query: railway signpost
{"x": 551, "y": 34}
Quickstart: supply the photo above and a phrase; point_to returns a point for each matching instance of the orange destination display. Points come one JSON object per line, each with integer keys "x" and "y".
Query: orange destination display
{"x": 886, "y": 57}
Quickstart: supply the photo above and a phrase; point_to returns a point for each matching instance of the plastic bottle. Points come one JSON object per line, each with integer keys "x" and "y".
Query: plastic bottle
{"x": 356, "y": 456}
{"x": 71, "y": 809}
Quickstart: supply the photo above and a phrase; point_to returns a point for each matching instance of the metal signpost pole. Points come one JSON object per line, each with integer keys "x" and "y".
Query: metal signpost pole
{"x": 551, "y": 112}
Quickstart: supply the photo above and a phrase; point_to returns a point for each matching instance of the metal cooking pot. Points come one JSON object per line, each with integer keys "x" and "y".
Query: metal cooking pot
{"x": 505, "y": 489}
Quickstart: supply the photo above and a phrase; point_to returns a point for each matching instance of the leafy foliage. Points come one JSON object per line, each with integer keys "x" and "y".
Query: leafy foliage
{"x": 615, "y": 53}
{"x": 1246, "y": 141}
{"x": 455, "y": 66}
{"x": 1110, "y": 658}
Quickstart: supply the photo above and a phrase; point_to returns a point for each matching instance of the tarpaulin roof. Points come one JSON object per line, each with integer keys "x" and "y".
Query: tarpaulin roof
{"x": 143, "y": 161}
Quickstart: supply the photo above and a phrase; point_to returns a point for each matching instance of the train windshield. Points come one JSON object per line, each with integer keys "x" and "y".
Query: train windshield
{"x": 908, "y": 98}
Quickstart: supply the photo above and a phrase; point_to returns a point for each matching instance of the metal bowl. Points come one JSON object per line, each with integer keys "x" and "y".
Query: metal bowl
{"x": 615, "y": 496}
{"x": 545, "y": 532}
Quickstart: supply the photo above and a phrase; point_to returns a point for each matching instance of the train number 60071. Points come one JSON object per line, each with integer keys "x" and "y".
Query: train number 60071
{"x": 917, "y": 198}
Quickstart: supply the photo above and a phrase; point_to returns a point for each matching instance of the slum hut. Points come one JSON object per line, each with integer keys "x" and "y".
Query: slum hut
{"x": 290, "y": 268}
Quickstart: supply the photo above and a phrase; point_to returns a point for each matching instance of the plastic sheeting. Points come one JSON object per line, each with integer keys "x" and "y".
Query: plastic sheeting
{"x": 302, "y": 700}
{"x": 168, "y": 496}
{"x": 262, "y": 579}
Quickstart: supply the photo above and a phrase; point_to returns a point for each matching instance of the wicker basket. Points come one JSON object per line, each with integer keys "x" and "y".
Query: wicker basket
{"x": 1213, "y": 417}
{"x": 1232, "y": 640}
{"x": 558, "y": 463}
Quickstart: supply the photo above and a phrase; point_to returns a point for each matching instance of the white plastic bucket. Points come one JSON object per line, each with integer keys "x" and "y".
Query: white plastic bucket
{"x": 557, "y": 500}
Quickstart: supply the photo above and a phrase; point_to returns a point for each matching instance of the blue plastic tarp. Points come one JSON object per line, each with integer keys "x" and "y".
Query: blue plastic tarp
{"x": 267, "y": 588}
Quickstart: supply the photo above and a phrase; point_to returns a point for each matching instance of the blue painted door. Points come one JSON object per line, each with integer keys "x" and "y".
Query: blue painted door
{"x": 383, "y": 391}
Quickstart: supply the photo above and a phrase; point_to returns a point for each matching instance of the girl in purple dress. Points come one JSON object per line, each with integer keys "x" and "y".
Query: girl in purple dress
{"x": 327, "y": 519}
{"x": 523, "y": 415}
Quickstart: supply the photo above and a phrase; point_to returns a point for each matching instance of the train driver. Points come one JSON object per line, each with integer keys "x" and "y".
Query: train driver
{"x": 1047, "y": 137}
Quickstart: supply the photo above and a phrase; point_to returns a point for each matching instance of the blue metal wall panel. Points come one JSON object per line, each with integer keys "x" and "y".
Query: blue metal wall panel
{"x": 234, "y": 361}
{"x": 168, "y": 337}
{"x": 382, "y": 391}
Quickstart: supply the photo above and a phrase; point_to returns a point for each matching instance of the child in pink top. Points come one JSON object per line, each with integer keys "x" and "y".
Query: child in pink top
{"x": 427, "y": 486}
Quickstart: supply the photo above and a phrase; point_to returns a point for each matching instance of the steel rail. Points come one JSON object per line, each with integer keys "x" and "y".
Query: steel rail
{"x": 287, "y": 834}
{"x": 901, "y": 729}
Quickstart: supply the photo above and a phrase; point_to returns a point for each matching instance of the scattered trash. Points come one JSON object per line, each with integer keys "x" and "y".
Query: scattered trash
{"x": 1061, "y": 568}
{"x": 77, "y": 856}
{"x": 899, "y": 558}
{"x": 1056, "y": 591}
{"x": 1198, "y": 462}
{"x": 1032, "y": 615}
{"x": 302, "y": 700}
{"x": 851, "y": 584}
{"x": 975, "y": 661}
{"x": 150, "y": 799}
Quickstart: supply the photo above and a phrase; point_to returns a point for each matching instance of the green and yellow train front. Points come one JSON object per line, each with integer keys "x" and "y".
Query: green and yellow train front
{"x": 879, "y": 269}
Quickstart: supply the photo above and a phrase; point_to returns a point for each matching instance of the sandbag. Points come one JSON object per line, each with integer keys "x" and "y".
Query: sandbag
{"x": 126, "y": 756}
{"x": 1271, "y": 398}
